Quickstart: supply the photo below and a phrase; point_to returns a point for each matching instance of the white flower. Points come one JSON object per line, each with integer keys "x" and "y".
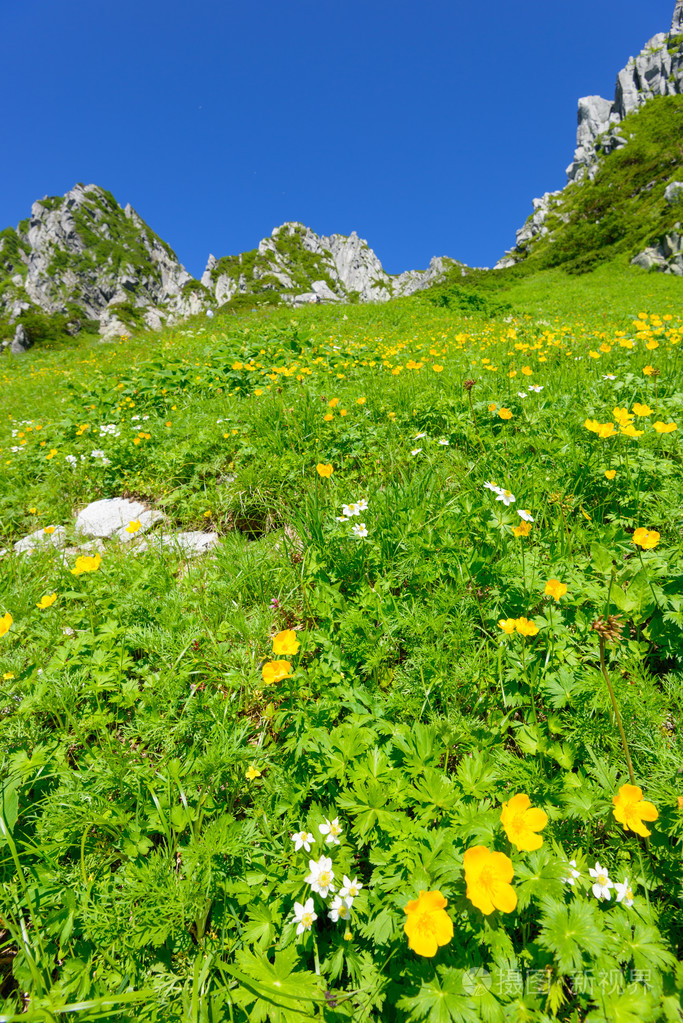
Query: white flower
{"x": 331, "y": 828}
{"x": 71, "y": 459}
{"x": 444, "y": 442}
{"x": 524, "y": 514}
{"x": 362, "y": 505}
{"x": 109, "y": 428}
{"x": 493, "y": 488}
{"x": 572, "y": 875}
{"x": 304, "y": 916}
{"x": 624, "y": 893}
{"x": 359, "y": 530}
{"x": 506, "y": 497}
{"x": 537, "y": 387}
{"x": 608, "y": 376}
{"x": 419, "y": 436}
{"x": 350, "y": 509}
{"x": 601, "y": 888}
{"x": 350, "y": 890}
{"x": 321, "y": 876}
{"x": 342, "y": 518}
{"x": 302, "y": 838}
{"x": 339, "y": 909}
{"x": 416, "y": 451}
{"x": 521, "y": 394}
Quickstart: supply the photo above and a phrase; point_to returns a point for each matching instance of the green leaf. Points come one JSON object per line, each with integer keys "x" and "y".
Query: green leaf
{"x": 570, "y": 931}
{"x": 441, "y": 1000}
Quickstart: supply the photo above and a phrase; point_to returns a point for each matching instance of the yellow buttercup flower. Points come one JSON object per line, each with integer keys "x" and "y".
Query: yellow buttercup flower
{"x": 508, "y": 625}
{"x": 665, "y": 427}
{"x": 46, "y": 601}
{"x": 49, "y": 530}
{"x": 328, "y": 418}
{"x": 630, "y": 431}
{"x": 526, "y": 628}
{"x": 324, "y": 470}
{"x": 86, "y": 564}
{"x": 9, "y": 675}
{"x": 275, "y": 671}
{"x": 133, "y": 526}
{"x": 645, "y": 538}
{"x": 523, "y": 529}
{"x": 648, "y": 370}
{"x": 252, "y": 772}
{"x": 5, "y": 623}
{"x": 641, "y": 410}
{"x": 488, "y": 875}
{"x": 610, "y": 473}
{"x": 428, "y": 925}
{"x": 555, "y": 589}
{"x": 521, "y": 821}
{"x": 606, "y": 430}
{"x": 630, "y": 809}
{"x": 286, "y": 642}
{"x": 505, "y": 413}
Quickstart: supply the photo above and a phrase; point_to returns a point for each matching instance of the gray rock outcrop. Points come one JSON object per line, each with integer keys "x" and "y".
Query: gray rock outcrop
{"x": 21, "y": 341}
{"x": 666, "y": 256}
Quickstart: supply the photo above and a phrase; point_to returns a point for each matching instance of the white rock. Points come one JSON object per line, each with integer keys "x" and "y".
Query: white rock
{"x": 41, "y": 539}
{"x": 106, "y": 517}
{"x": 190, "y": 544}
{"x": 674, "y": 191}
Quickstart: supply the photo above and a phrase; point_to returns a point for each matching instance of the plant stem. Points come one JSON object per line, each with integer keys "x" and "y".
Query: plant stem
{"x": 616, "y": 711}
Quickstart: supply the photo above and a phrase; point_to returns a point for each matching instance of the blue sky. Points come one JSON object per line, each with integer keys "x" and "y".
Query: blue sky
{"x": 426, "y": 128}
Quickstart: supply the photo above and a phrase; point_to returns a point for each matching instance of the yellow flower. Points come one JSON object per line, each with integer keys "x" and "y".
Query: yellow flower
{"x": 488, "y": 875}
{"x": 665, "y": 427}
{"x": 505, "y": 413}
{"x": 437, "y": 368}
{"x": 555, "y": 589}
{"x": 645, "y": 538}
{"x": 630, "y": 809}
{"x": 652, "y": 344}
{"x": 324, "y": 470}
{"x": 32, "y": 511}
{"x": 492, "y": 406}
{"x": 521, "y": 821}
{"x": 252, "y": 772}
{"x": 49, "y": 530}
{"x": 86, "y": 564}
{"x": 630, "y": 431}
{"x": 275, "y": 671}
{"x": 508, "y": 625}
{"x": 523, "y": 529}
{"x": 527, "y": 371}
{"x": 606, "y": 430}
{"x": 133, "y": 526}
{"x": 622, "y": 416}
{"x": 333, "y": 402}
{"x": 53, "y": 452}
{"x": 9, "y": 675}
{"x": 46, "y": 601}
{"x": 360, "y": 401}
{"x": 328, "y": 418}
{"x": 428, "y": 924}
{"x": 648, "y": 370}
{"x": 286, "y": 642}
{"x": 610, "y": 473}
{"x": 5, "y": 623}
{"x": 526, "y": 628}
{"x": 592, "y": 424}
{"x": 641, "y": 410}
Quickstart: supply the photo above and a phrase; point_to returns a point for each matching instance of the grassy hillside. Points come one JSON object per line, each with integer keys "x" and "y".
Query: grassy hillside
{"x": 449, "y": 547}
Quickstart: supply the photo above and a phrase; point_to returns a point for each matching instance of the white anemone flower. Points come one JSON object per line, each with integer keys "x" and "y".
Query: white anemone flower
{"x": 493, "y": 488}
{"x": 362, "y": 505}
{"x": 537, "y": 387}
{"x": 359, "y": 530}
{"x": 572, "y": 875}
{"x": 609, "y": 376}
{"x": 350, "y": 890}
{"x": 416, "y": 451}
{"x": 419, "y": 436}
{"x": 522, "y": 394}
{"x": 524, "y": 514}
{"x": 302, "y": 839}
{"x": 350, "y": 510}
{"x": 624, "y": 893}
{"x": 444, "y": 443}
{"x": 332, "y": 829}
{"x": 340, "y": 909}
{"x": 506, "y": 497}
{"x": 321, "y": 876}
{"x": 601, "y": 888}
{"x": 304, "y": 916}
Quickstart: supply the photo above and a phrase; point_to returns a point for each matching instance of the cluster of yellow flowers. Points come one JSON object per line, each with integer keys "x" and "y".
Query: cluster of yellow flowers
{"x": 285, "y": 643}
{"x": 521, "y": 625}
{"x": 625, "y": 421}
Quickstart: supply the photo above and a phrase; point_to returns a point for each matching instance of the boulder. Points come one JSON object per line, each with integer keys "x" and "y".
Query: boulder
{"x": 191, "y": 544}
{"x": 109, "y": 516}
{"x": 674, "y": 191}
{"x": 21, "y": 341}
{"x": 39, "y": 539}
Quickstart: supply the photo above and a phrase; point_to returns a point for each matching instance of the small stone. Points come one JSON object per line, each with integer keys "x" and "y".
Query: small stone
{"x": 41, "y": 539}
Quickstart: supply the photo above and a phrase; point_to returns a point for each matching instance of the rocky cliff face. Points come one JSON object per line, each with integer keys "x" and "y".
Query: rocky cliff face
{"x": 86, "y": 258}
{"x": 302, "y": 267}
{"x": 656, "y": 71}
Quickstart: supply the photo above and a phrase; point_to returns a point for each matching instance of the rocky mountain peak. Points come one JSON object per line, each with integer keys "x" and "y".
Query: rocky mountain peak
{"x": 677, "y": 22}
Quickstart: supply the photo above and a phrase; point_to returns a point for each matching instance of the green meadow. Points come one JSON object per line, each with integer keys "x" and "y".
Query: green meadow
{"x": 405, "y": 744}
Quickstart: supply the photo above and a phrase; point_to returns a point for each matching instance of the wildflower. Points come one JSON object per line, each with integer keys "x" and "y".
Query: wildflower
{"x": 536, "y": 387}
{"x": 492, "y": 406}
{"x": 332, "y": 829}
{"x": 416, "y": 451}
{"x": 622, "y": 416}
{"x": 630, "y": 431}
{"x": 526, "y": 628}
{"x": 49, "y": 530}
{"x": 350, "y": 890}
{"x": 572, "y": 875}
{"x": 286, "y": 642}
{"x": 252, "y": 772}
{"x": 649, "y": 371}
{"x": 333, "y": 402}
{"x": 324, "y": 470}
{"x": 624, "y": 893}
{"x": 33, "y": 511}
{"x": 608, "y": 376}
{"x": 275, "y": 671}
{"x": 527, "y": 371}
{"x": 428, "y": 924}
{"x": 610, "y": 473}
{"x": 5, "y": 623}
{"x": 360, "y": 401}
{"x": 505, "y": 413}
{"x": 665, "y": 427}
{"x": 488, "y": 875}
{"x": 521, "y": 394}
{"x": 506, "y": 497}
{"x": 493, "y": 488}
{"x": 340, "y": 909}
{"x": 601, "y": 888}
{"x": 645, "y": 538}
{"x": 304, "y": 916}
{"x": 641, "y": 410}
{"x": 524, "y": 514}
{"x": 419, "y": 436}
{"x": 8, "y": 675}
{"x": 555, "y": 589}
{"x": 321, "y": 876}
{"x": 444, "y": 443}
{"x": 302, "y": 839}
{"x": 630, "y": 809}
{"x": 508, "y": 625}
{"x": 328, "y": 418}
{"x": 437, "y": 368}
{"x": 46, "y": 601}
{"x": 521, "y": 821}
{"x": 86, "y": 564}
{"x": 606, "y": 430}
{"x": 348, "y": 510}
{"x": 133, "y": 526}
{"x": 362, "y": 505}
{"x": 523, "y": 529}
{"x": 53, "y": 452}
{"x": 359, "y": 530}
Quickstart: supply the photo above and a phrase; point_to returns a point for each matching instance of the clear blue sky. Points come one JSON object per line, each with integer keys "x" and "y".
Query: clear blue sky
{"x": 426, "y": 127}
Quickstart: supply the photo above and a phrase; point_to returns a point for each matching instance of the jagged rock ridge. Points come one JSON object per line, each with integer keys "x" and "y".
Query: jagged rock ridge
{"x": 656, "y": 71}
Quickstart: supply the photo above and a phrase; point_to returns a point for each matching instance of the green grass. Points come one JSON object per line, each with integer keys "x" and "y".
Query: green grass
{"x": 151, "y": 781}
